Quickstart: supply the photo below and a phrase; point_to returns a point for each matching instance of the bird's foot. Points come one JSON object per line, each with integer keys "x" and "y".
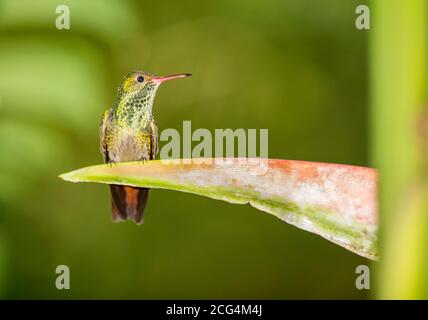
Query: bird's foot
{"x": 142, "y": 161}
{"x": 111, "y": 164}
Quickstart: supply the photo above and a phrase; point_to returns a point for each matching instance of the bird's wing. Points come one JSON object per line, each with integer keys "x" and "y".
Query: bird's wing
{"x": 154, "y": 139}
{"x": 103, "y": 128}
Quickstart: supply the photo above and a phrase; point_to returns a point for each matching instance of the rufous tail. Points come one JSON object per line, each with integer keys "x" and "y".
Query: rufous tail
{"x": 128, "y": 203}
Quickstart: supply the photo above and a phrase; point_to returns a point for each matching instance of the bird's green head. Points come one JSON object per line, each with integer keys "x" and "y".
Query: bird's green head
{"x": 140, "y": 82}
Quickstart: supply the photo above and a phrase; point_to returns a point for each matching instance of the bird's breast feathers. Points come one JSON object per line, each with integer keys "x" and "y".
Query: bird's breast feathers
{"x": 129, "y": 145}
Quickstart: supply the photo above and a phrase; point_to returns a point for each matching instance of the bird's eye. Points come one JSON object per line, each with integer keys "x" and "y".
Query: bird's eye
{"x": 140, "y": 79}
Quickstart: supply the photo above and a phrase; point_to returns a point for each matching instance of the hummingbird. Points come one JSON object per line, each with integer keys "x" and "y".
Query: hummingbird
{"x": 128, "y": 132}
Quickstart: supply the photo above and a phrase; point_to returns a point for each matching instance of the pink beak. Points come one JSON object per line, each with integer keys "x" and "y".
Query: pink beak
{"x": 170, "y": 77}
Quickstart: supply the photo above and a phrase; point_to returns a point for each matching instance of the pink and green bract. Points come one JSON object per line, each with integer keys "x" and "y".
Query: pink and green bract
{"x": 337, "y": 202}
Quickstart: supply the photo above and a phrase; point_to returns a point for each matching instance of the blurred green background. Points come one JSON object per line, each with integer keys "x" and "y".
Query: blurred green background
{"x": 296, "y": 67}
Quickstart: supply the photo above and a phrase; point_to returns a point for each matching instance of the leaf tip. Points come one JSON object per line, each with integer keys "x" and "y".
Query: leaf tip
{"x": 68, "y": 176}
